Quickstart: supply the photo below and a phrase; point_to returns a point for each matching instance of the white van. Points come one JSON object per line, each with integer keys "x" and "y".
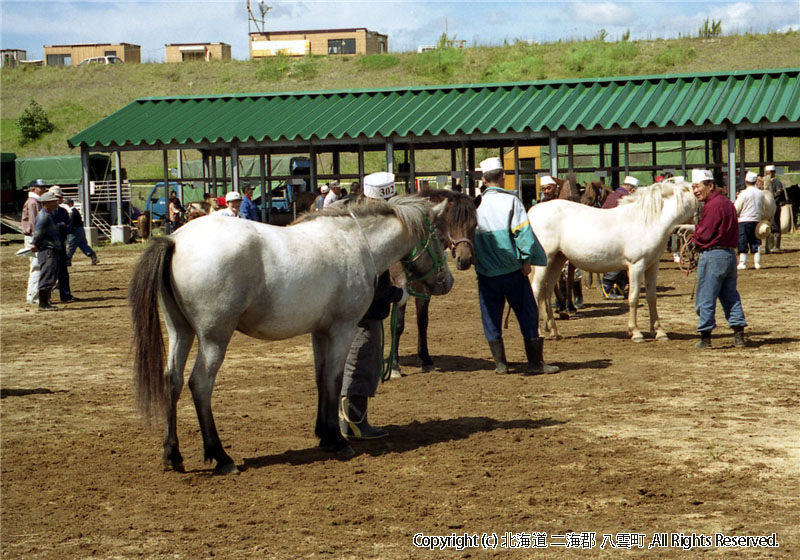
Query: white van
{"x": 111, "y": 59}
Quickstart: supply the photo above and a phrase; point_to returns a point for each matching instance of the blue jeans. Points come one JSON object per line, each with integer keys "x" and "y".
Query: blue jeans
{"x": 716, "y": 278}
{"x": 514, "y": 287}
{"x": 77, "y": 240}
{"x": 747, "y": 237}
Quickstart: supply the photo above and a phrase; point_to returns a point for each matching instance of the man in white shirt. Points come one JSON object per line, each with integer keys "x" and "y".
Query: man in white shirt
{"x": 333, "y": 195}
{"x": 749, "y": 205}
{"x": 233, "y": 202}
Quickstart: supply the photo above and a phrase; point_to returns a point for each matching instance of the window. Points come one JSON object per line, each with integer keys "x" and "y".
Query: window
{"x": 110, "y": 53}
{"x": 341, "y": 46}
{"x": 59, "y": 59}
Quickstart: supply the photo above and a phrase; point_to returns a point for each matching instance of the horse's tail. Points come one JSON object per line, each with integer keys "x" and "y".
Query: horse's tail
{"x": 149, "y": 278}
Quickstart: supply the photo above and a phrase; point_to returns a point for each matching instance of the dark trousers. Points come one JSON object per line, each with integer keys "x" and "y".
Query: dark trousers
{"x": 618, "y": 277}
{"x": 514, "y": 288}
{"x": 747, "y": 237}
{"x": 64, "y": 291}
{"x": 48, "y": 268}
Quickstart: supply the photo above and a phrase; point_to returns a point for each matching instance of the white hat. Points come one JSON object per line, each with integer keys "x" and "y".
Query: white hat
{"x": 700, "y": 175}
{"x": 325, "y": 188}
{"x": 491, "y": 164}
{"x": 769, "y": 168}
{"x": 547, "y": 180}
{"x": 750, "y": 177}
{"x": 629, "y": 180}
{"x": 56, "y": 190}
{"x": 232, "y": 196}
{"x": 379, "y": 185}
{"x": 49, "y": 196}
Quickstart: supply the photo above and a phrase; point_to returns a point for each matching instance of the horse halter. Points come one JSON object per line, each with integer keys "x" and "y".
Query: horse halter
{"x": 427, "y": 245}
{"x": 453, "y": 243}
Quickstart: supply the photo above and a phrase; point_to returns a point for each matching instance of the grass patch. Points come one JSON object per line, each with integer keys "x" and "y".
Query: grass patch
{"x": 373, "y": 62}
{"x": 440, "y": 64}
{"x": 672, "y": 56}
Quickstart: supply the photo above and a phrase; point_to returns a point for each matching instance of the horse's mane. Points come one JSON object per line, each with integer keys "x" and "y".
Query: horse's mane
{"x": 411, "y": 210}
{"x": 650, "y": 200}
{"x": 462, "y": 210}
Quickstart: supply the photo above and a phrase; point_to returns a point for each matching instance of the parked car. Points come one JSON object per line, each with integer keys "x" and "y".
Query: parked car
{"x": 110, "y": 59}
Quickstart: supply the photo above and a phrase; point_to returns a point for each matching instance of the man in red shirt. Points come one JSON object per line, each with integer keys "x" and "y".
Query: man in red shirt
{"x": 716, "y": 235}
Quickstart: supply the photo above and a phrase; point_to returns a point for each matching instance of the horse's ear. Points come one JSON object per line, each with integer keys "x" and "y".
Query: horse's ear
{"x": 439, "y": 210}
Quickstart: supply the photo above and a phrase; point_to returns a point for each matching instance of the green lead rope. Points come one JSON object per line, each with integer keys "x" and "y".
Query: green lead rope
{"x": 386, "y": 365}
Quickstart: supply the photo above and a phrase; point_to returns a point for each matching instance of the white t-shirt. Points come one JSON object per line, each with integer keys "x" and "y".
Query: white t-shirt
{"x": 330, "y": 198}
{"x": 228, "y": 212}
{"x": 749, "y": 204}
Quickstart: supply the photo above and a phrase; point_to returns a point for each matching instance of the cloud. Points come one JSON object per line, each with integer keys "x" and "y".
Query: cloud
{"x": 602, "y": 13}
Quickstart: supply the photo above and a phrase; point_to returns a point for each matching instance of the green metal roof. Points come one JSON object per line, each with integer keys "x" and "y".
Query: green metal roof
{"x": 680, "y": 100}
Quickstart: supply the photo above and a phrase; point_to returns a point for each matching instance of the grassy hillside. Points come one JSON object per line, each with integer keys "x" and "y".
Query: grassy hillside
{"x": 76, "y": 97}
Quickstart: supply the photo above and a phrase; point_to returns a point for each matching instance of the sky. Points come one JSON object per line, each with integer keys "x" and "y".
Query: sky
{"x": 31, "y": 24}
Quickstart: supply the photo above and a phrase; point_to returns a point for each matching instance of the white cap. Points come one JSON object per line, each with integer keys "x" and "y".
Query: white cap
{"x": 491, "y": 164}
{"x": 379, "y": 185}
{"x": 547, "y": 180}
{"x": 325, "y": 188}
{"x": 56, "y": 190}
{"x": 750, "y": 177}
{"x": 769, "y": 168}
{"x": 233, "y": 195}
{"x": 700, "y": 175}
{"x": 629, "y": 180}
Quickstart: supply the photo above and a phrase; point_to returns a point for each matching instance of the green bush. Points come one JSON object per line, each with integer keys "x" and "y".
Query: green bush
{"x": 377, "y": 61}
{"x": 272, "y": 69}
{"x": 306, "y": 69}
{"x": 34, "y": 123}
{"x": 522, "y": 69}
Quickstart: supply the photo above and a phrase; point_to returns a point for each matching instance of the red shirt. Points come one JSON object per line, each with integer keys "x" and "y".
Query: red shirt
{"x": 613, "y": 199}
{"x": 718, "y": 225}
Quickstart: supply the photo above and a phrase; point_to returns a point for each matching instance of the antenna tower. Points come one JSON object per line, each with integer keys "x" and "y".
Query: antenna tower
{"x": 257, "y": 21}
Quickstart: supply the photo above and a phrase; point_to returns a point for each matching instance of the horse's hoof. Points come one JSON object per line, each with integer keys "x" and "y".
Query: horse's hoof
{"x": 177, "y": 468}
{"x": 395, "y": 374}
{"x": 345, "y": 453}
{"x": 228, "y": 468}
{"x": 637, "y": 338}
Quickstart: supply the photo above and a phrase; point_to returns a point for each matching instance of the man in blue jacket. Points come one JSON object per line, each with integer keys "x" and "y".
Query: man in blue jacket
{"x": 506, "y": 248}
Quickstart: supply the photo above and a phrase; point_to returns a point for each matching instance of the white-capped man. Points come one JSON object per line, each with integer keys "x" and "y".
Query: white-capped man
{"x": 333, "y": 195}
{"x": 233, "y": 202}
{"x": 749, "y": 206}
{"x": 615, "y": 283}
{"x": 31, "y": 208}
{"x": 506, "y": 248}
{"x": 549, "y": 188}
{"x": 319, "y": 202}
{"x": 362, "y": 367}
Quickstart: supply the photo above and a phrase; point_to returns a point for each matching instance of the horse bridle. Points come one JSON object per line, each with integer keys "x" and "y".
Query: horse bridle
{"x": 429, "y": 244}
{"x": 453, "y": 243}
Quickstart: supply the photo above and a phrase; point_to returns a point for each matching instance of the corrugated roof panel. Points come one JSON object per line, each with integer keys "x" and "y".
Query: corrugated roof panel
{"x": 474, "y": 109}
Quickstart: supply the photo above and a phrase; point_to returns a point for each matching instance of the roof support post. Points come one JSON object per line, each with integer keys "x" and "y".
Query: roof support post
{"x": 235, "y": 168}
{"x": 655, "y": 160}
{"x": 262, "y": 175}
{"x": 615, "y": 164}
{"x": 118, "y": 166}
{"x": 165, "y": 165}
{"x": 224, "y": 173}
{"x": 412, "y": 168}
{"x": 269, "y": 186}
{"x": 86, "y": 208}
{"x": 517, "y": 181}
{"x": 206, "y": 172}
{"x": 463, "y": 164}
{"x": 312, "y": 178}
{"x": 683, "y": 154}
{"x": 731, "y": 162}
{"x": 570, "y": 157}
{"x": 761, "y": 154}
{"x": 179, "y": 157}
{"x": 553, "y": 155}
{"x": 389, "y": 156}
{"x": 337, "y": 165}
{"x": 214, "y": 173}
{"x": 469, "y": 186}
{"x": 361, "y": 165}
{"x": 770, "y": 153}
{"x": 627, "y": 157}
{"x": 741, "y": 157}
{"x": 602, "y": 155}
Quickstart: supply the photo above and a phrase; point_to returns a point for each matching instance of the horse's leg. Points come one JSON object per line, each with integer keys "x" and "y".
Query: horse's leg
{"x": 319, "y": 342}
{"x": 539, "y": 286}
{"x": 329, "y": 386}
{"x": 400, "y": 327}
{"x": 425, "y": 359}
{"x": 570, "y": 286}
{"x": 636, "y": 278}
{"x": 210, "y": 353}
{"x": 180, "y": 342}
{"x": 651, "y": 279}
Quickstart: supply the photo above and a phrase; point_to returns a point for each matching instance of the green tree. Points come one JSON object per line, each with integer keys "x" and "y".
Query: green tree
{"x": 34, "y": 123}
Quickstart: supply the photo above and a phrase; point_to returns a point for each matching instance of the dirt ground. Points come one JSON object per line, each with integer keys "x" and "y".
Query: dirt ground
{"x": 627, "y": 439}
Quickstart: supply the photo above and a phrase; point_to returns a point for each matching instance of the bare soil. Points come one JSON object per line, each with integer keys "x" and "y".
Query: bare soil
{"x": 627, "y": 438}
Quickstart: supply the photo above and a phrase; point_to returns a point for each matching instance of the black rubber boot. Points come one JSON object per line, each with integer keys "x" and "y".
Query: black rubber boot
{"x": 738, "y": 337}
{"x": 353, "y": 421}
{"x": 705, "y": 340}
{"x": 498, "y": 355}
{"x": 577, "y": 293}
{"x": 536, "y": 365}
{"x": 44, "y": 301}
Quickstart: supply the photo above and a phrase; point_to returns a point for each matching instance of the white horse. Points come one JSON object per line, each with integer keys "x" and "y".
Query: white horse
{"x": 217, "y": 275}
{"x": 633, "y": 235}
